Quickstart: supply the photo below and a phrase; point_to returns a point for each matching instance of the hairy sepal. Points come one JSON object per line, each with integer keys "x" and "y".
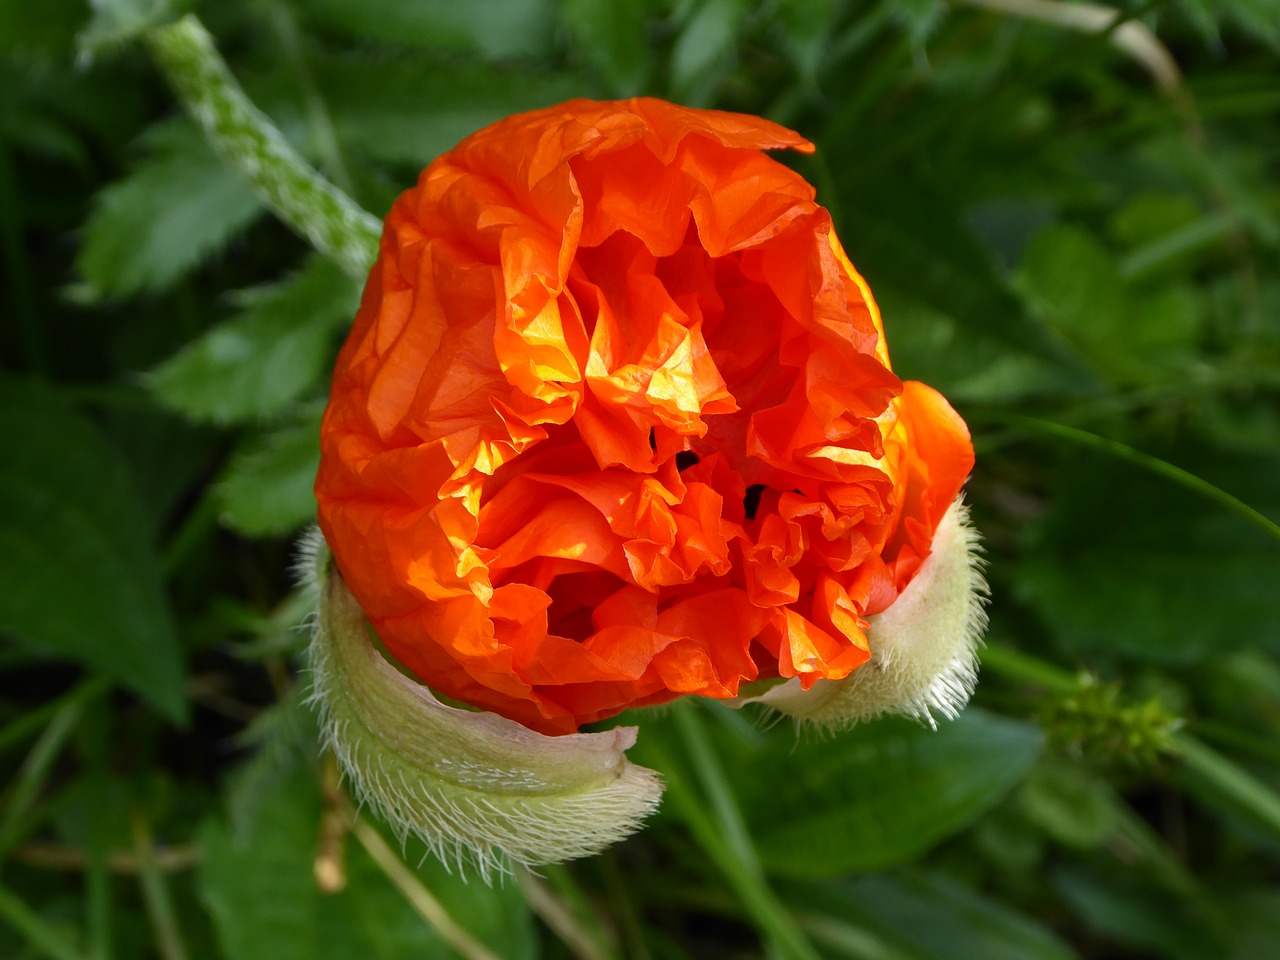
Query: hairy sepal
{"x": 923, "y": 646}
{"x": 476, "y": 788}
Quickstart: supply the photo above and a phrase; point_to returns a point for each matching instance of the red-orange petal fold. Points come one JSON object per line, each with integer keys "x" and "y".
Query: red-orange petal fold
{"x": 616, "y": 422}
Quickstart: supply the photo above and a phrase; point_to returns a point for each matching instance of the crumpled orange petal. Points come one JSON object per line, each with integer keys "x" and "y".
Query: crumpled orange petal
{"x": 616, "y": 422}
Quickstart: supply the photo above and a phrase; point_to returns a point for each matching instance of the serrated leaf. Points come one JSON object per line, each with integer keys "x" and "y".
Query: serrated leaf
{"x": 268, "y": 356}
{"x": 266, "y": 489}
{"x": 175, "y": 208}
{"x": 79, "y": 577}
{"x": 496, "y": 28}
{"x": 259, "y": 886}
{"x": 610, "y": 35}
{"x": 411, "y": 111}
{"x": 881, "y": 793}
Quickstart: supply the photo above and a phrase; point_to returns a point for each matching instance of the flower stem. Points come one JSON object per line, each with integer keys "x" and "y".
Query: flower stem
{"x": 45, "y": 939}
{"x": 155, "y": 890}
{"x": 247, "y": 140}
{"x": 1155, "y": 465}
{"x": 424, "y": 904}
{"x": 1212, "y": 775}
{"x": 723, "y": 834}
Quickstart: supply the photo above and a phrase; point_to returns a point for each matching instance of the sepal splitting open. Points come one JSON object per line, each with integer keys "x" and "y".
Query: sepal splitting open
{"x": 476, "y": 788}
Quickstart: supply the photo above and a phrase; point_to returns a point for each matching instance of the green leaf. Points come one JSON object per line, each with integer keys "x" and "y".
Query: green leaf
{"x": 412, "y": 110}
{"x": 80, "y": 579}
{"x": 962, "y": 923}
{"x": 1254, "y": 922}
{"x": 705, "y": 50}
{"x": 266, "y": 489}
{"x": 931, "y": 346}
{"x": 1069, "y": 804}
{"x": 916, "y": 237}
{"x": 880, "y": 793}
{"x": 1126, "y": 334}
{"x": 177, "y": 207}
{"x": 258, "y": 885}
{"x": 610, "y": 35}
{"x": 1126, "y": 563}
{"x": 46, "y": 29}
{"x": 495, "y": 28}
{"x": 1143, "y": 917}
{"x": 271, "y": 354}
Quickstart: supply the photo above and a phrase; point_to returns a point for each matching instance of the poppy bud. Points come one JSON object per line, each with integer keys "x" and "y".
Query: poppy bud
{"x": 616, "y": 424}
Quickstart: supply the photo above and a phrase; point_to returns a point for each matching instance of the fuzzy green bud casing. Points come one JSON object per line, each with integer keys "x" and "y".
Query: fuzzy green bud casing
{"x": 474, "y": 787}
{"x": 923, "y": 647}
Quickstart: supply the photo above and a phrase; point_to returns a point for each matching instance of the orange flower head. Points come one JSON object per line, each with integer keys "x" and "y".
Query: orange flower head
{"x": 616, "y": 422}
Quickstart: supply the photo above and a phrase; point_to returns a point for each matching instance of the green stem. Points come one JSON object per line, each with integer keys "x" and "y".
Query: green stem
{"x": 420, "y": 898}
{"x": 1017, "y": 665}
{"x": 155, "y": 891}
{"x": 35, "y": 769}
{"x": 1211, "y": 775}
{"x": 1202, "y": 233}
{"x": 1146, "y": 461}
{"x": 248, "y": 141}
{"x": 43, "y": 937}
{"x": 725, "y": 837}
{"x": 1208, "y": 773}
{"x": 285, "y": 25}
{"x": 29, "y": 723}
{"x": 97, "y": 746}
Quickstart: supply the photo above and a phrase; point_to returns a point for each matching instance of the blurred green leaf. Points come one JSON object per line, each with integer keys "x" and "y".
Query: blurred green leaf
{"x": 266, "y": 489}
{"x": 1069, "y": 804}
{"x": 1128, "y": 564}
{"x": 271, "y": 354}
{"x": 611, "y": 37}
{"x": 928, "y": 345}
{"x": 44, "y": 29}
{"x": 80, "y": 578}
{"x": 879, "y": 794}
{"x": 916, "y": 237}
{"x": 1126, "y": 336}
{"x": 176, "y": 208}
{"x": 1254, "y": 923}
{"x": 1120, "y": 907}
{"x": 962, "y": 924}
{"x": 409, "y": 111}
{"x": 1258, "y": 18}
{"x": 807, "y": 29}
{"x": 704, "y": 49}
{"x": 260, "y": 889}
{"x": 495, "y": 28}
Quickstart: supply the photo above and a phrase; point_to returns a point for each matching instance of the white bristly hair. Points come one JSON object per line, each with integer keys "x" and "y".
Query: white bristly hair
{"x": 923, "y": 647}
{"x": 476, "y": 788}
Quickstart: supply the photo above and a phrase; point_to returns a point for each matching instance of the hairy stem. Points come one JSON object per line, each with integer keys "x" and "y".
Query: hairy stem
{"x": 247, "y": 140}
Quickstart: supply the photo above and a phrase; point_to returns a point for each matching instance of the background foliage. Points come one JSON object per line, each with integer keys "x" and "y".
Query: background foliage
{"x": 1082, "y": 259}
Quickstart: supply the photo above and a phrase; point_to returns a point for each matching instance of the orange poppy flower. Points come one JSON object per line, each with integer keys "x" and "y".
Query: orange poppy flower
{"x": 616, "y": 422}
